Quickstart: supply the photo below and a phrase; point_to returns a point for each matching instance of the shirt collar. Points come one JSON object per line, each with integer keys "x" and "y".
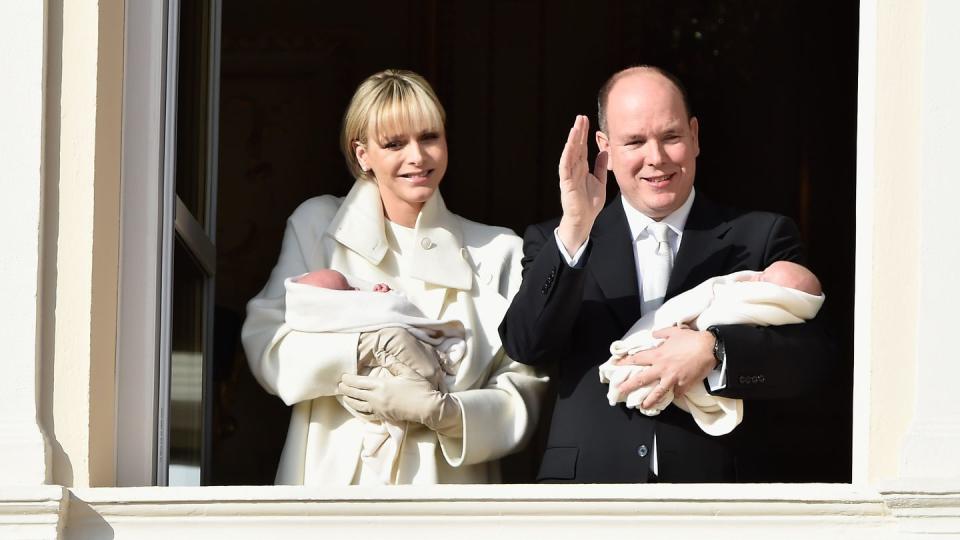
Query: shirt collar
{"x": 676, "y": 220}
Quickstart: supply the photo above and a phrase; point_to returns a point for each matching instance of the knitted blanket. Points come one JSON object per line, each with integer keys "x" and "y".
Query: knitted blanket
{"x": 717, "y": 301}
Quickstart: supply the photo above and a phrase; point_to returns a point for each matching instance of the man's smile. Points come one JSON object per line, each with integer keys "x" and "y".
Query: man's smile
{"x": 658, "y": 181}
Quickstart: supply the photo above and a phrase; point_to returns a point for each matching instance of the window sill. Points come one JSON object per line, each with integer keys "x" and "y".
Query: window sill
{"x": 906, "y": 507}
{"x": 565, "y": 511}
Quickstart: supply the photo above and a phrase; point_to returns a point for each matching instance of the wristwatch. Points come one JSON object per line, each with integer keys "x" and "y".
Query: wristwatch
{"x": 719, "y": 351}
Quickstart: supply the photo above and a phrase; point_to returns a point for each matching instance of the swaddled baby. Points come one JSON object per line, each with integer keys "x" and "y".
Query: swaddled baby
{"x": 395, "y": 339}
{"x": 784, "y": 293}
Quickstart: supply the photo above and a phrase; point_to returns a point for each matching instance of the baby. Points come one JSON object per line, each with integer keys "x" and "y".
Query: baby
{"x": 784, "y": 293}
{"x": 392, "y": 331}
{"x": 788, "y": 274}
{"x": 394, "y": 342}
{"x": 331, "y": 279}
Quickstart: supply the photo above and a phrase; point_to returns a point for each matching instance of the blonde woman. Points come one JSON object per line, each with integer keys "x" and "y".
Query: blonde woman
{"x": 393, "y": 228}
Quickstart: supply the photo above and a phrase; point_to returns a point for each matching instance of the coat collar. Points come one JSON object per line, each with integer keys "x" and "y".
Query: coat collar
{"x": 438, "y": 255}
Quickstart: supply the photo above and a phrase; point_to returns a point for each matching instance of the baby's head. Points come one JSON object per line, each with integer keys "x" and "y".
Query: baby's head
{"x": 791, "y": 275}
{"x": 327, "y": 279}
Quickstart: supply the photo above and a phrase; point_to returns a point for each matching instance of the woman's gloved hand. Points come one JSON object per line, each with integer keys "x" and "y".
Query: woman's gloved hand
{"x": 404, "y": 397}
{"x": 387, "y": 346}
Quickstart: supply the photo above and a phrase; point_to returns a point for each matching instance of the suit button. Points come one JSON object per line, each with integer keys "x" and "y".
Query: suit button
{"x": 642, "y": 450}
{"x": 426, "y": 243}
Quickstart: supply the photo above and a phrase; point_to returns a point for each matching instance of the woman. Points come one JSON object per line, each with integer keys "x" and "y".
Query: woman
{"x": 393, "y": 227}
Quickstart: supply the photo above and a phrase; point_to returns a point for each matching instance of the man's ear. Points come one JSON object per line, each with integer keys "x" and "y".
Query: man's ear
{"x": 603, "y": 143}
{"x": 695, "y": 133}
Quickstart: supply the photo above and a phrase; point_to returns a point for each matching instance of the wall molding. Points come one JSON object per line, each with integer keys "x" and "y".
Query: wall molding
{"x": 924, "y": 505}
{"x": 508, "y": 511}
{"x": 35, "y": 512}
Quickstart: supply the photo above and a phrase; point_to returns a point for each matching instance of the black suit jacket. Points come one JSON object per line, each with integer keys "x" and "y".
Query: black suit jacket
{"x": 567, "y": 318}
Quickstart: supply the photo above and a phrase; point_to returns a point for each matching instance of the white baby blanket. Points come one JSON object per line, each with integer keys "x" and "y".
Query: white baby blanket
{"x": 719, "y": 300}
{"x": 315, "y": 309}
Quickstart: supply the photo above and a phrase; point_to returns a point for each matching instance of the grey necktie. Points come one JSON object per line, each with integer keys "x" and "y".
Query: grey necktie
{"x": 656, "y": 271}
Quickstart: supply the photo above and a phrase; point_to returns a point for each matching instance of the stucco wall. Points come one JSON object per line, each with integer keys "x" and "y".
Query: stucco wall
{"x": 80, "y": 241}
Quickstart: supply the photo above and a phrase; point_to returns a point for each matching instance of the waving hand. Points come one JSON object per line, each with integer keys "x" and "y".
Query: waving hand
{"x": 582, "y": 194}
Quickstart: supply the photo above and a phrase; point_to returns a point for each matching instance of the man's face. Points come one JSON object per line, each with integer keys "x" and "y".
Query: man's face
{"x": 651, "y": 144}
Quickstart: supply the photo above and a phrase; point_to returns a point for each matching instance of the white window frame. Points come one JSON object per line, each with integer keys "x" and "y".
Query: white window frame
{"x": 147, "y": 236}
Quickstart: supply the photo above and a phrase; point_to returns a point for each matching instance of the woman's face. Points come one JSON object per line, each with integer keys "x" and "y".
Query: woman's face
{"x": 408, "y": 167}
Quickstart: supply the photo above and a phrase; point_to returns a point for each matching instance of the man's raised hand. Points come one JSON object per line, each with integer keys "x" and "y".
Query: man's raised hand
{"x": 581, "y": 194}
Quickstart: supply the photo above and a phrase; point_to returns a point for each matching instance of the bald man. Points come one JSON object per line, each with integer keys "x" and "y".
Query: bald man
{"x": 589, "y": 275}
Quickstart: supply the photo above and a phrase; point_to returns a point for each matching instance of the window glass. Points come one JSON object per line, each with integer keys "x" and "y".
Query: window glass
{"x": 186, "y": 369}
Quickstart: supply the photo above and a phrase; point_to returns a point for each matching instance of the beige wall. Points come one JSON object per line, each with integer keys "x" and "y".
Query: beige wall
{"x": 81, "y": 231}
{"x": 887, "y": 244}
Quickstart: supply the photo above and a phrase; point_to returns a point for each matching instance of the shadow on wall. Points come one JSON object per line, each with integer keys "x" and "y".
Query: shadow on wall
{"x": 84, "y": 523}
{"x": 62, "y": 469}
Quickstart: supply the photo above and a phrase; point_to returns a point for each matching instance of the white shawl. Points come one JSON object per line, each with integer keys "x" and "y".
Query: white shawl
{"x": 719, "y": 300}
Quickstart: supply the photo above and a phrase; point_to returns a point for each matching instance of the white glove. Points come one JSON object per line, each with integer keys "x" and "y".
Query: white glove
{"x": 405, "y": 397}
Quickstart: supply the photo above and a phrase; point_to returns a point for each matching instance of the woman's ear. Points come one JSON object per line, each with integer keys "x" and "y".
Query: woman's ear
{"x": 360, "y": 150}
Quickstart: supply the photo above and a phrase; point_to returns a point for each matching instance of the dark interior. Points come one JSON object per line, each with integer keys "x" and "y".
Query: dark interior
{"x": 774, "y": 85}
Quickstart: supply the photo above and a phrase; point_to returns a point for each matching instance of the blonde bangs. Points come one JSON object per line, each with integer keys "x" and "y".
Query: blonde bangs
{"x": 403, "y": 109}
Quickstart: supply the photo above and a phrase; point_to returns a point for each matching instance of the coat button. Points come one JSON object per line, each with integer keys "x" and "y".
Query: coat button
{"x": 642, "y": 450}
{"x": 426, "y": 243}
{"x": 464, "y": 254}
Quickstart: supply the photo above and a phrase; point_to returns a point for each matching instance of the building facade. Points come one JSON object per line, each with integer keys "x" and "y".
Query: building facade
{"x": 79, "y": 137}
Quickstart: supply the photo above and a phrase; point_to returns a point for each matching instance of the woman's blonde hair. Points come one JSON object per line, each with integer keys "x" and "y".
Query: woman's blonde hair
{"x": 386, "y": 103}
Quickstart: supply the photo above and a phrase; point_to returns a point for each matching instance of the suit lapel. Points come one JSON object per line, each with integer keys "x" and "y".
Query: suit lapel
{"x": 703, "y": 250}
{"x": 613, "y": 264}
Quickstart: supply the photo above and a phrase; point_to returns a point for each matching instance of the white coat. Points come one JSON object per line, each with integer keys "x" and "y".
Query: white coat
{"x": 464, "y": 271}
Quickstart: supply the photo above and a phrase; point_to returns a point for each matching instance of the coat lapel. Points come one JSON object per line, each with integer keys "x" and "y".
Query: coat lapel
{"x": 703, "y": 250}
{"x": 436, "y": 258}
{"x": 613, "y": 264}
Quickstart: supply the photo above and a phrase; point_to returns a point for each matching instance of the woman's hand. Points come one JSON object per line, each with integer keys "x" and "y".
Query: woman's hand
{"x": 404, "y": 397}
{"x": 581, "y": 194}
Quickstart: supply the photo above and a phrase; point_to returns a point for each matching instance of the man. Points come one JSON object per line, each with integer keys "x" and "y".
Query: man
{"x": 589, "y": 276}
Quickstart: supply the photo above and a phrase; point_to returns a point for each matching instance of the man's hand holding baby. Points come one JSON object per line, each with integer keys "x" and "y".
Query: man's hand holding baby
{"x": 683, "y": 359}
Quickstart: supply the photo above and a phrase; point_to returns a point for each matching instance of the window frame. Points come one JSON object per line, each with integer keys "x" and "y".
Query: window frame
{"x": 149, "y": 114}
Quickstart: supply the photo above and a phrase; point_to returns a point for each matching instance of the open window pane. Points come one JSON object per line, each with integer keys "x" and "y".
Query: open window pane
{"x": 193, "y": 85}
{"x": 186, "y": 370}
